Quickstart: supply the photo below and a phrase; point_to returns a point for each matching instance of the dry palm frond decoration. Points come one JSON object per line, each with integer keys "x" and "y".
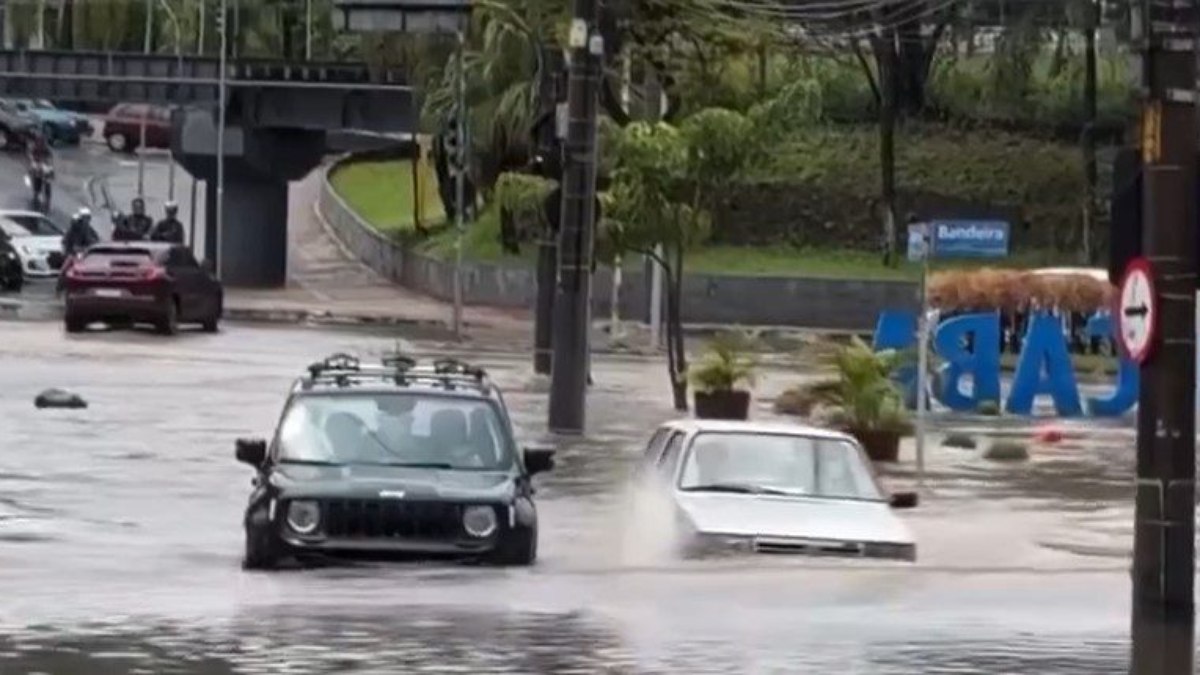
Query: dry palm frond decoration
{"x": 1011, "y": 291}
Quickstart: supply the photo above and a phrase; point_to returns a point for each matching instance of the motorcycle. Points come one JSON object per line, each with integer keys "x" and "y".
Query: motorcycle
{"x": 39, "y": 179}
{"x": 12, "y": 278}
{"x": 68, "y": 262}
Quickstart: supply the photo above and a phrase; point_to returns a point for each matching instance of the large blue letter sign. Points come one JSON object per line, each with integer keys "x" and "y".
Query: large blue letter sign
{"x": 1045, "y": 346}
{"x": 982, "y": 362}
{"x": 897, "y": 329}
{"x": 1126, "y": 394}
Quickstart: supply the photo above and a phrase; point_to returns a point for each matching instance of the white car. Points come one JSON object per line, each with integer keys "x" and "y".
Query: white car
{"x": 37, "y": 240}
{"x": 774, "y": 488}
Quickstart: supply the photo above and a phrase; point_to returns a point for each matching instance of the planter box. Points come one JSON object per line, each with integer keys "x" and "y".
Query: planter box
{"x": 881, "y": 446}
{"x": 722, "y": 405}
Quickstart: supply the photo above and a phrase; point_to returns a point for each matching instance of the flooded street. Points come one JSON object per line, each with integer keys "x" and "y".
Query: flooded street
{"x": 120, "y": 542}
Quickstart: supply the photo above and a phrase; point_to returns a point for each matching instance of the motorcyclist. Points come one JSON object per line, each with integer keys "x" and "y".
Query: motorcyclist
{"x": 121, "y": 228}
{"x": 137, "y": 223}
{"x": 169, "y": 229}
{"x": 80, "y": 234}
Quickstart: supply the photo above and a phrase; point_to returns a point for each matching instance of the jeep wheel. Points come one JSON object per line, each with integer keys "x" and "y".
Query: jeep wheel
{"x": 262, "y": 552}
{"x": 517, "y": 549}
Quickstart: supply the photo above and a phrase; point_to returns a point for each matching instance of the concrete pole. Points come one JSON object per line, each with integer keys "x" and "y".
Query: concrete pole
{"x": 41, "y": 24}
{"x": 1164, "y": 521}
{"x": 195, "y": 182}
{"x": 572, "y": 304}
{"x": 308, "y": 30}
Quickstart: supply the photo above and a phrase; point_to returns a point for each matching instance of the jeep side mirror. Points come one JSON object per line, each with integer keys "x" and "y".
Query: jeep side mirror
{"x": 252, "y": 451}
{"x": 904, "y": 500}
{"x": 539, "y": 460}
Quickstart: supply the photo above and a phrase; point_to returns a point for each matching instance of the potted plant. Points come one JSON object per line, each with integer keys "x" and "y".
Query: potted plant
{"x": 727, "y": 362}
{"x": 867, "y": 403}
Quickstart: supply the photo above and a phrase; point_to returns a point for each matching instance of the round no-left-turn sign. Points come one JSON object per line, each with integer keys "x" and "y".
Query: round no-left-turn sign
{"x": 1137, "y": 311}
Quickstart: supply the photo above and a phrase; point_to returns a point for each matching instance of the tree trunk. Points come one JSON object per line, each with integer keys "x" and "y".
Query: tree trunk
{"x": 679, "y": 383}
{"x": 1089, "y": 130}
{"x": 887, "y": 142}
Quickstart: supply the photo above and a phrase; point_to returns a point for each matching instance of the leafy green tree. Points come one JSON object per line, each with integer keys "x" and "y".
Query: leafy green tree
{"x": 666, "y": 181}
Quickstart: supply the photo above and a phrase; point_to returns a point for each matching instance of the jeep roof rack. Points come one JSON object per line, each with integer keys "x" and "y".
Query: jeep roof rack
{"x": 344, "y": 370}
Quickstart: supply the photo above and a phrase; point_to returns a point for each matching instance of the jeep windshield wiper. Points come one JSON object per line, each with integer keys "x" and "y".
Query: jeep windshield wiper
{"x": 738, "y": 488}
{"x": 420, "y": 465}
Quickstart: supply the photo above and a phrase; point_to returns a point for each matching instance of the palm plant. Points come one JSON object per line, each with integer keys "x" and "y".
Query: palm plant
{"x": 726, "y": 363}
{"x": 866, "y": 397}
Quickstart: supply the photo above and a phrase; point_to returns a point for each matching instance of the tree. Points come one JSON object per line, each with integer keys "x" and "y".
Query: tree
{"x": 666, "y": 181}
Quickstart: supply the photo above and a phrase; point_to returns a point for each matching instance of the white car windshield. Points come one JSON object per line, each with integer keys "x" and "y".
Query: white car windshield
{"x": 38, "y": 226}
{"x": 785, "y": 464}
{"x": 401, "y": 429}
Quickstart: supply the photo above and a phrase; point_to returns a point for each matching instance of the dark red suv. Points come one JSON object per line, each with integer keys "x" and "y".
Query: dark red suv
{"x": 122, "y": 126}
{"x": 141, "y": 282}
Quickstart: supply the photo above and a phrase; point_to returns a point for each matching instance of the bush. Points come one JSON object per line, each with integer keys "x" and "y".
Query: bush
{"x": 725, "y": 364}
{"x": 1007, "y": 451}
{"x": 803, "y": 399}
{"x": 960, "y": 440}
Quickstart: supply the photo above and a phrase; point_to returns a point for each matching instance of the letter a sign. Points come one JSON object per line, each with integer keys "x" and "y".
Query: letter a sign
{"x": 1137, "y": 311}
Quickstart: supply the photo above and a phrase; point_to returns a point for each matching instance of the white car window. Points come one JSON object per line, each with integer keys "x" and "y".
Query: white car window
{"x": 39, "y": 226}
{"x": 13, "y": 230}
{"x": 795, "y": 464}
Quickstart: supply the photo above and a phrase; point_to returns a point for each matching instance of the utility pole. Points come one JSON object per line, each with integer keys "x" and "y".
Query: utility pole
{"x": 549, "y": 150}
{"x": 1164, "y": 528}
{"x": 459, "y": 162}
{"x": 572, "y": 304}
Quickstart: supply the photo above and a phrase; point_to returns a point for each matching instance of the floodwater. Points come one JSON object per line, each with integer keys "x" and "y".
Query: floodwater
{"x": 120, "y": 542}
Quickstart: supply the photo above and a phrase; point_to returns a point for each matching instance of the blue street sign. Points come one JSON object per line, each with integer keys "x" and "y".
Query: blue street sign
{"x": 917, "y": 233}
{"x": 970, "y": 238}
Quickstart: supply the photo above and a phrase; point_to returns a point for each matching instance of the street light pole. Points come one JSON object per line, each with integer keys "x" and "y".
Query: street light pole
{"x": 460, "y": 162}
{"x": 572, "y": 304}
{"x": 179, "y": 60}
{"x": 220, "y": 201}
{"x": 308, "y": 33}
{"x": 141, "y": 148}
{"x": 195, "y": 182}
{"x": 1163, "y": 621}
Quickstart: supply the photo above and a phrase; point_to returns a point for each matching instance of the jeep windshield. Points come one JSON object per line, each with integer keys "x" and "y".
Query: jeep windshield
{"x": 395, "y": 429}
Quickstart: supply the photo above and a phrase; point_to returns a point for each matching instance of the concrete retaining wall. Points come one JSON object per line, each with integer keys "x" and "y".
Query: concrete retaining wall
{"x": 707, "y": 299}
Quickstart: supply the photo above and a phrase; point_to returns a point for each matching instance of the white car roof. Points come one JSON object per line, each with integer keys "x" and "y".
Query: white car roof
{"x": 8, "y": 213}
{"x": 689, "y": 425}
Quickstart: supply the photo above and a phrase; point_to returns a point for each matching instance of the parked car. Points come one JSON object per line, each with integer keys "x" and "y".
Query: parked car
{"x": 16, "y": 127}
{"x": 393, "y": 461}
{"x": 11, "y": 277}
{"x": 123, "y": 123}
{"x": 755, "y": 487}
{"x": 58, "y": 125}
{"x": 127, "y": 283}
{"x": 37, "y": 241}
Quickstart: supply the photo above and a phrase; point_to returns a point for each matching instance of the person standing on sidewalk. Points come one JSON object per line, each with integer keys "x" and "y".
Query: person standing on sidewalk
{"x": 169, "y": 229}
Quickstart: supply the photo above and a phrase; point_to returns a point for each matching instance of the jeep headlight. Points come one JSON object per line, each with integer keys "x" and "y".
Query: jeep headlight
{"x": 479, "y": 521}
{"x": 304, "y": 517}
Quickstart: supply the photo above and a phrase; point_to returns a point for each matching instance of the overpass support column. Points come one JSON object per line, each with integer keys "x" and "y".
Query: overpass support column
{"x": 259, "y": 165}
{"x": 254, "y": 244}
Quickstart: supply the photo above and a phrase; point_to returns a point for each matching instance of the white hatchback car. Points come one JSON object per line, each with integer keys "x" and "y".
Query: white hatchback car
{"x": 774, "y": 488}
{"x": 37, "y": 240}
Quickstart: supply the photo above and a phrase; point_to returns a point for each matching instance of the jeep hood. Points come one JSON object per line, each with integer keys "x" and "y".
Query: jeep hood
{"x": 361, "y": 481}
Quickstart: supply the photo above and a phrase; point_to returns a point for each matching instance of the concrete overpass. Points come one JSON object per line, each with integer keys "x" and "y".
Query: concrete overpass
{"x": 277, "y": 118}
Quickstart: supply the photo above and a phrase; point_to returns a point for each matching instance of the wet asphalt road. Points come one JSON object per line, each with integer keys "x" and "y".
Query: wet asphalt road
{"x": 120, "y": 544}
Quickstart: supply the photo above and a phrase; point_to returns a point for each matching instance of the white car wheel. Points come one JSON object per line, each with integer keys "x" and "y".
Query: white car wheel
{"x": 118, "y": 142}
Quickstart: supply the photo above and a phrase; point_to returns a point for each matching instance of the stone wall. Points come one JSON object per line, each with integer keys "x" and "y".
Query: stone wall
{"x": 707, "y": 299}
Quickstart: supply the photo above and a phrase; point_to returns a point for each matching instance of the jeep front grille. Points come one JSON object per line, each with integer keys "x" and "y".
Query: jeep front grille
{"x": 808, "y": 547}
{"x": 391, "y": 519}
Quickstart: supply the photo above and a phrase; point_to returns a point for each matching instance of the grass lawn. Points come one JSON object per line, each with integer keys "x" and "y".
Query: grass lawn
{"x": 382, "y": 192}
